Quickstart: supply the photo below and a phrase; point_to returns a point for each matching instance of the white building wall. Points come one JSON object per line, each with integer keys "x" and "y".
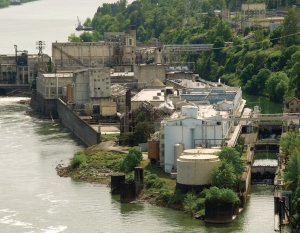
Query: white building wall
{"x": 192, "y": 132}
{"x": 180, "y": 131}
{"x": 81, "y": 88}
{"x": 99, "y": 83}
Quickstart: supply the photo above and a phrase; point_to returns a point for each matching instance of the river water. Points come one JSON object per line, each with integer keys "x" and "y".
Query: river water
{"x": 33, "y": 198}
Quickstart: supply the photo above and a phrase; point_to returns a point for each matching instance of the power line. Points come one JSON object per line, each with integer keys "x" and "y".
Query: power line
{"x": 235, "y": 46}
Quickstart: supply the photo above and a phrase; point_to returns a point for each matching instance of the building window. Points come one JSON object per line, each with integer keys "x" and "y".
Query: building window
{"x": 130, "y": 41}
{"x": 106, "y": 88}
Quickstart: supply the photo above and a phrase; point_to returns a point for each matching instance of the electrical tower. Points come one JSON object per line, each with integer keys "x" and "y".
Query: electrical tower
{"x": 40, "y": 46}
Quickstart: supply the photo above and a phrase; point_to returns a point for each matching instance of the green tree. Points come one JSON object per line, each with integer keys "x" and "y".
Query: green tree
{"x": 86, "y": 37}
{"x": 224, "y": 176}
{"x": 4, "y": 3}
{"x": 290, "y": 142}
{"x": 231, "y": 156}
{"x": 88, "y": 22}
{"x": 292, "y": 171}
{"x": 142, "y": 131}
{"x": 247, "y": 73}
{"x": 131, "y": 160}
{"x": 277, "y": 85}
{"x": 214, "y": 194}
{"x": 74, "y": 38}
{"x": 240, "y": 145}
{"x": 50, "y": 66}
{"x": 218, "y": 45}
{"x": 291, "y": 27}
{"x": 256, "y": 84}
{"x": 140, "y": 117}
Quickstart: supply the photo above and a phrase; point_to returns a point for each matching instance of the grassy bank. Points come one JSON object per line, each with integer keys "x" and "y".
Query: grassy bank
{"x": 97, "y": 166}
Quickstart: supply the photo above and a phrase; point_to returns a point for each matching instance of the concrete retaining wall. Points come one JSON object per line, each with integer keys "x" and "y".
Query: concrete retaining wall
{"x": 80, "y": 128}
{"x": 45, "y": 106}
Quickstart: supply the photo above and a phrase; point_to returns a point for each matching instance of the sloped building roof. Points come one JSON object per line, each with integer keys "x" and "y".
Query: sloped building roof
{"x": 155, "y": 82}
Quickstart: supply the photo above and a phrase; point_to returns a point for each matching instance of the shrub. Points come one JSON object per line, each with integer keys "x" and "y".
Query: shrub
{"x": 131, "y": 160}
{"x": 190, "y": 203}
{"x": 215, "y": 194}
{"x": 79, "y": 160}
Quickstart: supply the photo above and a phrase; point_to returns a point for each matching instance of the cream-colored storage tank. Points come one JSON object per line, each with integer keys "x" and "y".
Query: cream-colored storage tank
{"x": 211, "y": 150}
{"x": 195, "y": 170}
{"x": 191, "y": 152}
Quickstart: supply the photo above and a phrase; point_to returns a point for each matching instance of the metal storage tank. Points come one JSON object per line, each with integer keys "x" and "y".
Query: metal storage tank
{"x": 178, "y": 149}
{"x": 194, "y": 172}
{"x": 70, "y": 93}
{"x": 191, "y": 152}
{"x": 211, "y": 150}
{"x": 153, "y": 149}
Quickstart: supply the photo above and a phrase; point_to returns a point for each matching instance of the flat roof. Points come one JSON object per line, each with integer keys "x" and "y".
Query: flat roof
{"x": 149, "y": 95}
{"x": 206, "y": 111}
{"x": 120, "y": 74}
{"x": 59, "y": 75}
{"x": 210, "y": 94}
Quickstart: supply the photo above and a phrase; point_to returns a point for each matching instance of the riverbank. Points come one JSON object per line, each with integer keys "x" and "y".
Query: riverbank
{"x": 98, "y": 163}
{"x": 103, "y": 160}
{"x": 7, "y": 3}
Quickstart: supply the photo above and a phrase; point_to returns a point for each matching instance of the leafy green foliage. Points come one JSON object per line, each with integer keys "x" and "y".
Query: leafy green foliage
{"x": 4, "y": 3}
{"x": 277, "y": 85}
{"x": 290, "y": 145}
{"x": 215, "y": 194}
{"x": 131, "y": 160}
{"x": 240, "y": 144}
{"x": 290, "y": 142}
{"x": 153, "y": 181}
{"x": 79, "y": 160}
{"x": 224, "y": 176}
{"x": 231, "y": 156}
{"x": 292, "y": 172}
{"x": 189, "y": 203}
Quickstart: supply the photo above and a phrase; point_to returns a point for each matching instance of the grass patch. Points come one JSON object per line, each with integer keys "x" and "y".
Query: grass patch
{"x": 108, "y": 137}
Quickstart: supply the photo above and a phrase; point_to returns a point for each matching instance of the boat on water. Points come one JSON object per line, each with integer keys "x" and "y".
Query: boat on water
{"x": 15, "y": 2}
{"x": 81, "y": 27}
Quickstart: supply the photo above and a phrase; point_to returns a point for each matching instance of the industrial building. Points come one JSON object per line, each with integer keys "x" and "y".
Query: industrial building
{"x": 117, "y": 50}
{"x": 204, "y": 120}
{"x": 54, "y": 85}
{"x": 254, "y": 14}
{"x": 21, "y": 68}
{"x": 91, "y": 85}
{"x": 193, "y": 127}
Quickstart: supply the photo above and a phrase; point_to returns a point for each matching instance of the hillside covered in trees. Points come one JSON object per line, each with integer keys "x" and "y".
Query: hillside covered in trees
{"x": 267, "y": 64}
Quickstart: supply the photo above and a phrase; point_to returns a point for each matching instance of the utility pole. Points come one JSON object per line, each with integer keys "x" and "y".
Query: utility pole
{"x": 40, "y": 46}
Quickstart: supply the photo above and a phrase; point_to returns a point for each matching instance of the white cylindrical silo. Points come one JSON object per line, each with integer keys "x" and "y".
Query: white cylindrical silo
{"x": 195, "y": 170}
{"x": 178, "y": 149}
